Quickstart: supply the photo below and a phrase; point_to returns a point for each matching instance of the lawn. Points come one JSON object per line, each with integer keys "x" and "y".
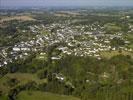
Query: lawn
{"x": 3, "y": 98}
{"x": 110, "y": 54}
{"x": 21, "y": 77}
{"x": 131, "y": 46}
{"x": 37, "y": 95}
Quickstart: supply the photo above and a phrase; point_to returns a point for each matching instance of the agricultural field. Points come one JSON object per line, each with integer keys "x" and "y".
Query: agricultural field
{"x": 21, "y": 18}
{"x": 36, "y": 95}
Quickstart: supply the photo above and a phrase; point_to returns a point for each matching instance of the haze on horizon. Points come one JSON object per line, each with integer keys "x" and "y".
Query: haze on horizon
{"x": 60, "y": 3}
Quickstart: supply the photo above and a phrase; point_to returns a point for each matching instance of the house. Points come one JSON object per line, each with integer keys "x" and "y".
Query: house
{"x": 55, "y": 58}
{"x": 16, "y": 49}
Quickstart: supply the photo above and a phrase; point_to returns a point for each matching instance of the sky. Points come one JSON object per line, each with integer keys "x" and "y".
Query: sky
{"x": 46, "y": 3}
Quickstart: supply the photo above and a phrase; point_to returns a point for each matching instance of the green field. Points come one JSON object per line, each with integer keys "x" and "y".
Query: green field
{"x": 22, "y": 79}
{"x": 110, "y": 54}
{"x": 36, "y": 95}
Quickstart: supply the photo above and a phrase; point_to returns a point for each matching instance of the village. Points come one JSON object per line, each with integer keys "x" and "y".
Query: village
{"x": 66, "y": 54}
{"x": 71, "y": 40}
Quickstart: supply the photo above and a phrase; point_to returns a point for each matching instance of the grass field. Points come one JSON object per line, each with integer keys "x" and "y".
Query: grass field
{"x": 29, "y": 95}
{"x": 131, "y": 46}
{"x": 3, "y": 98}
{"x": 37, "y": 95}
{"x": 22, "y": 79}
{"x": 110, "y": 54}
{"x": 130, "y": 38}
